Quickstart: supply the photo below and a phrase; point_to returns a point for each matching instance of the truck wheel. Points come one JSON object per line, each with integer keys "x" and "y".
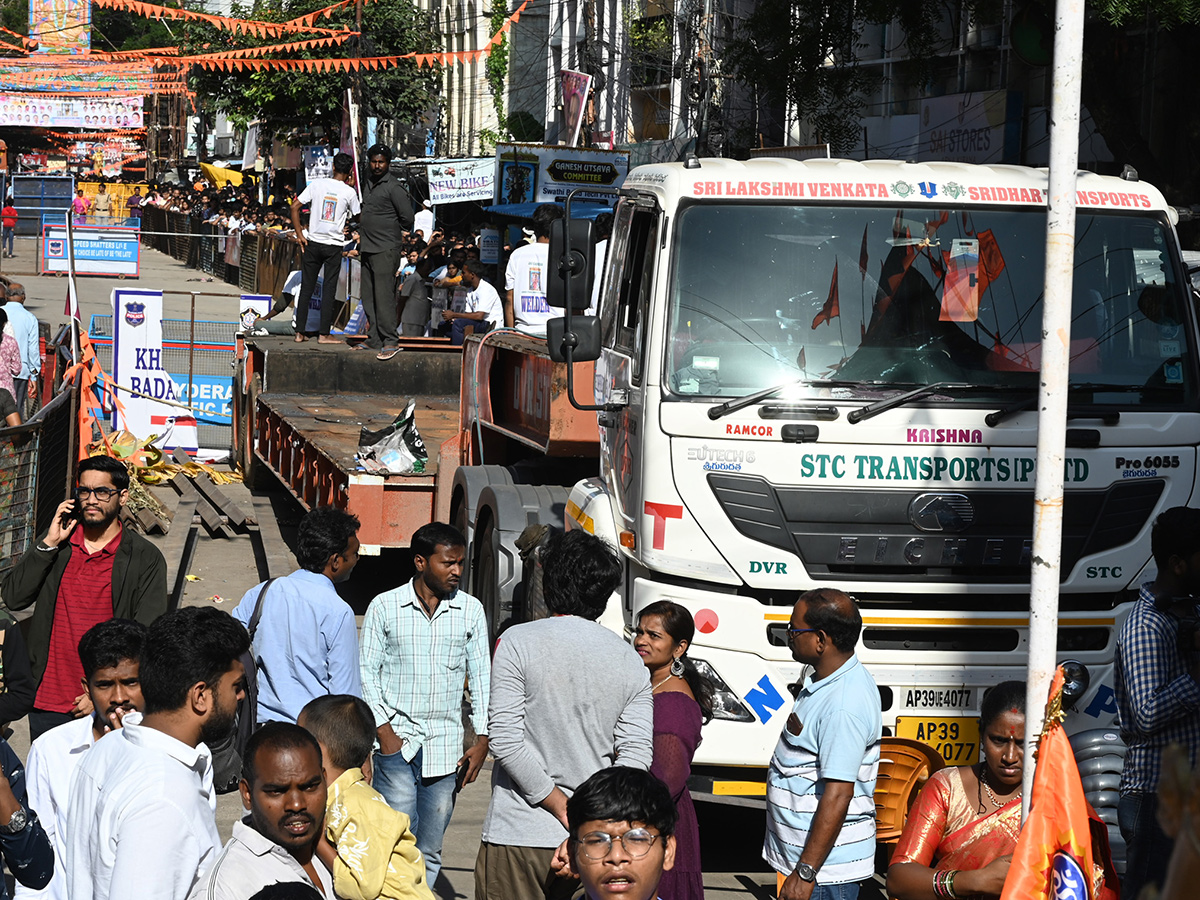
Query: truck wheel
{"x": 486, "y": 569}
{"x": 469, "y": 483}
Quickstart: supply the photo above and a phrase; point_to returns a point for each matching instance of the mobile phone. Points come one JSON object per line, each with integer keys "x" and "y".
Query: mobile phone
{"x": 460, "y": 776}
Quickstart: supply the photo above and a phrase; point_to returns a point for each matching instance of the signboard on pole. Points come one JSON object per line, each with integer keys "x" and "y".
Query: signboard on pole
{"x": 461, "y": 179}
{"x": 489, "y": 245}
{"x": 137, "y": 364}
{"x": 575, "y": 87}
{"x": 536, "y": 173}
{"x": 99, "y": 250}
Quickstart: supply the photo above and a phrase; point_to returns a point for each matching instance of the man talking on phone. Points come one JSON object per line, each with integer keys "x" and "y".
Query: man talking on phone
{"x": 85, "y": 570}
{"x": 419, "y": 642}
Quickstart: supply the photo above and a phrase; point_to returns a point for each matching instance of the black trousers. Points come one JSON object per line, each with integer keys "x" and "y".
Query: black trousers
{"x": 315, "y": 256}
{"x": 379, "y": 296}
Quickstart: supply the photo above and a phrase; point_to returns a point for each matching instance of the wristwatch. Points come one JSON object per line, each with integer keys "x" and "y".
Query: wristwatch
{"x": 804, "y": 871}
{"x": 17, "y": 823}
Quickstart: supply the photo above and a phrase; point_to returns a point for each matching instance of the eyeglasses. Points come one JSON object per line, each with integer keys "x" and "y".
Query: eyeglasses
{"x": 100, "y": 493}
{"x": 794, "y": 631}
{"x": 637, "y": 843}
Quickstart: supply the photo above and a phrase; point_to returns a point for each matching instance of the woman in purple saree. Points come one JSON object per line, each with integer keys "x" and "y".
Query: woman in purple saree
{"x": 682, "y": 702}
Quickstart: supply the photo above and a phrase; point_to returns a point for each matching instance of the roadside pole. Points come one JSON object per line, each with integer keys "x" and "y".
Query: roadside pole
{"x": 1052, "y": 394}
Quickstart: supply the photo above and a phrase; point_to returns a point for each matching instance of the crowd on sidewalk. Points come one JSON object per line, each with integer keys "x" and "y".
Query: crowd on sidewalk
{"x": 348, "y": 746}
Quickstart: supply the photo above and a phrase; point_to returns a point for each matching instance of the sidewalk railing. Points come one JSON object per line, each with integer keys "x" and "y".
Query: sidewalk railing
{"x": 256, "y": 262}
{"x": 36, "y": 467}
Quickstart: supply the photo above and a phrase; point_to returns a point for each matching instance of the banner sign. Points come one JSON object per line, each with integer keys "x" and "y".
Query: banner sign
{"x": 489, "y": 245}
{"x": 61, "y": 26}
{"x": 982, "y": 128}
{"x": 99, "y": 249}
{"x": 318, "y": 162}
{"x": 461, "y": 179}
{"x": 44, "y": 111}
{"x": 575, "y": 86}
{"x": 137, "y": 364}
{"x": 535, "y": 173}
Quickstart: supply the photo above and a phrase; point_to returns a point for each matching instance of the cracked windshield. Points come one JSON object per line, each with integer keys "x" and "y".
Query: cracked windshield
{"x": 764, "y": 295}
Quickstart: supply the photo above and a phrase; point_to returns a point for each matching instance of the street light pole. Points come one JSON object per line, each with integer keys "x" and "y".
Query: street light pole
{"x": 1055, "y": 381}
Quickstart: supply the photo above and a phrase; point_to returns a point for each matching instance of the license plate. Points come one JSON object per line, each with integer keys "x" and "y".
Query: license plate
{"x": 955, "y": 738}
{"x": 955, "y": 698}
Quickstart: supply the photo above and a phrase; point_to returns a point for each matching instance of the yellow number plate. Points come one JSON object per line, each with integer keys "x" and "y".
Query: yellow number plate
{"x": 957, "y": 739}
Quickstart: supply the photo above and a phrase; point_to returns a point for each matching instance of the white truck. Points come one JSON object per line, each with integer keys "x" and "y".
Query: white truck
{"x": 825, "y": 373}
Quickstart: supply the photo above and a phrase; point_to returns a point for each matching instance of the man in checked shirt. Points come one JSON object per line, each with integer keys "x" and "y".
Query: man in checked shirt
{"x": 419, "y": 643}
{"x": 1158, "y": 694}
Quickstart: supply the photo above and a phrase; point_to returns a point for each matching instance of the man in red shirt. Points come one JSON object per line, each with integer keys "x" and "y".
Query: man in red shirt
{"x": 86, "y": 570}
{"x": 8, "y": 217}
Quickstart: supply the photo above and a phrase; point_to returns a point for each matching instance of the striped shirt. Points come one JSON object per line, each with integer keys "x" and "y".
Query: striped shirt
{"x": 85, "y": 598}
{"x": 840, "y": 725}
{"x": 413, "y": 669}
{"x": 1158, "y": 702}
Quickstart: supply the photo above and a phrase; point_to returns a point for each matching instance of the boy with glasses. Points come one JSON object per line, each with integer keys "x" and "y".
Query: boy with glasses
{"x": 622, "y": 834}
{"x": 85, "y": 570}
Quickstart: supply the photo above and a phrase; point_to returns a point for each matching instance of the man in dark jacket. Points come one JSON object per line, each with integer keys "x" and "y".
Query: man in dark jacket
{"x": 386, "y": 215}
{"x": 86, "y": 570}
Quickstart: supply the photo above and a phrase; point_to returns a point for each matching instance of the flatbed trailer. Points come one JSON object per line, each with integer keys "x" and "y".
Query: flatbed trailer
{"x": 495, "y": 409}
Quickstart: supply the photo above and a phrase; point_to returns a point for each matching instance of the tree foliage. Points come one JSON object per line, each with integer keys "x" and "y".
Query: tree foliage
{"x": 287, "y": 99}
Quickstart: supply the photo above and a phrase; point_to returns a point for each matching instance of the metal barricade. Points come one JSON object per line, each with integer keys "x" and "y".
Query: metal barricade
{"x": 36, "y": 468}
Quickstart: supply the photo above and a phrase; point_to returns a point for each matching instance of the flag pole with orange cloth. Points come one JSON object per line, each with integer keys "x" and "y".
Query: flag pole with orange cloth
{"x": 1054, "y": 857}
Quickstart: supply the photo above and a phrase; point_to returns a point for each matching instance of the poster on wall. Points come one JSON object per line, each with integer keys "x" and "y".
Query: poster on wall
{"x": 575, "y": 86}
{"x": 61, "y": 26}
{"x": 536, "y": 173}
{"x": 106, "y": 113}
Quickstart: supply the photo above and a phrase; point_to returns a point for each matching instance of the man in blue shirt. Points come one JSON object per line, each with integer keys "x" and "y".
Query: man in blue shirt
{"x": 306, "y": 644}
{"x": 25, "y": 330}
{"x": 821, "y": 784}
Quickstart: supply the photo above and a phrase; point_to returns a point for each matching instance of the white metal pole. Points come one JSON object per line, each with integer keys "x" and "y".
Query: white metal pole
{"x": 1052, "y": 395}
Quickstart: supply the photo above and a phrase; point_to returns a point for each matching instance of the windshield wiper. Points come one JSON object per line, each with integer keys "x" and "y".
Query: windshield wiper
{"x": 882, "y": 406}
{"x": 1110, "y": 417}
{"x": 724, "y": 409}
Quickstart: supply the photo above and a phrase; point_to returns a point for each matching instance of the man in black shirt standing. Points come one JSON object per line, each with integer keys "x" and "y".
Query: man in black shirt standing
{"x": 386, "y": 215}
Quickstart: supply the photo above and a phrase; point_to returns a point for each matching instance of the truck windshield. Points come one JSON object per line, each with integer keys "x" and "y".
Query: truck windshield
{"x": 871, "y": 297}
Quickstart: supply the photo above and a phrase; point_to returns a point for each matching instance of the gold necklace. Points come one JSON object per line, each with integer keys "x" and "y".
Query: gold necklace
{"x": 655, "y": 687}
{"x": 988, "y": 788}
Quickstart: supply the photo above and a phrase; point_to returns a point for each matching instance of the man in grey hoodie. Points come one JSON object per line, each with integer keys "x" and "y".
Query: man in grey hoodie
{"x": 568, "y": 697}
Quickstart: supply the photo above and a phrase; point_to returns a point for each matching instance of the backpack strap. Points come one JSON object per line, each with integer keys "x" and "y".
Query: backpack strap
{"x": 258, "y": 608}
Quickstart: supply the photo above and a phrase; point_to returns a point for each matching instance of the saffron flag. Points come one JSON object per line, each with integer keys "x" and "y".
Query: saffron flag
{"x": 991, "y": 260}
{"x": 830, "y": 309}
{"x": 1053, "y": 858}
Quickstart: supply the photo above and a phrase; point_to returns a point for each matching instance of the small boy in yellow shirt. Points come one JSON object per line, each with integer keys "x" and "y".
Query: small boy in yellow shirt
{"x": 367, "y": 845}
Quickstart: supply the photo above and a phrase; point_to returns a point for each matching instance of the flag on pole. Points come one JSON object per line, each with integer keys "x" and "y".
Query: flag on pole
{"x": 1053, "y": 858}
{"x": 830, "y": 310}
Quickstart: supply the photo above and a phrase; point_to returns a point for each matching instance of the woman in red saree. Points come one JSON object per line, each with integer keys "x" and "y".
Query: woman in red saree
{"x": 960, "y": 834}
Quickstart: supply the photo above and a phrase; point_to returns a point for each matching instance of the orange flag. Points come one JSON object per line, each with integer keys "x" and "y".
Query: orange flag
{"x": 831, "y": 307}
{"x": 1054, "y": 852}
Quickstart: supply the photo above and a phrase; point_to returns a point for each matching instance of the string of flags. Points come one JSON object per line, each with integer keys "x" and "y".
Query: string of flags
{"x": 234, "y": 26}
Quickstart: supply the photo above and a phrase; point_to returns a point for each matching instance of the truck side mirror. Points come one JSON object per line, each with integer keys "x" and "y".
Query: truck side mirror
{"x": 586, "y": 332}
{"x": 580, "y": 264}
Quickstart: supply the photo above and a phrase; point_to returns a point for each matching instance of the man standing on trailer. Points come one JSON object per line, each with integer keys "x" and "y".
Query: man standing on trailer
{"x": 386, "y": 215}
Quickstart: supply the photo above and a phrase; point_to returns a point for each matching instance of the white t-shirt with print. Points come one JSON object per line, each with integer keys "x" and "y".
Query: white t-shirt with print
{"x": 330, "y": 201}
{"x": 526, "y": 275}
{"x": 485, "y": 299}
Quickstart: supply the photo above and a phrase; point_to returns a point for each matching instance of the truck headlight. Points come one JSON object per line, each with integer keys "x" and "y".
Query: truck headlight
{"x": 726, "y": 704}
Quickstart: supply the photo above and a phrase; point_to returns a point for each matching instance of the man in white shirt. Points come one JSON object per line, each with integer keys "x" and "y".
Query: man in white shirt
{"x": 283, "y": 787}
{"x": 483, "y": 304}
{"x": 423, "y": 221}
{"x": 331, "y": 200}
{"x": 141, "y": 818}
{"x": 525, "y": 278}
{"x": 111, "y": 653}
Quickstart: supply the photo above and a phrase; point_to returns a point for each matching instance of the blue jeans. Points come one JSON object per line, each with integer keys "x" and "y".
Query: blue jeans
{"x": 847, "y": 891}
{"x": 9, "y": 237}
{"x": 428, "y": 803}
{"x": 1147, "y": 848}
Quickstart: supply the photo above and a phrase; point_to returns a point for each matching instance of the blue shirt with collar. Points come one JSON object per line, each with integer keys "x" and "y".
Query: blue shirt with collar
{"x": 306, "y": 644}
{"x": 833, "y": 734}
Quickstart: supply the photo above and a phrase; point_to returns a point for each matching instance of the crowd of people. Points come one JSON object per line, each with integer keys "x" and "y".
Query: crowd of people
{"x": 357, "y": 748}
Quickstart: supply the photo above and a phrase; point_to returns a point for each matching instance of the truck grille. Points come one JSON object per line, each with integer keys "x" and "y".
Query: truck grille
{"x": 867, "y": 535}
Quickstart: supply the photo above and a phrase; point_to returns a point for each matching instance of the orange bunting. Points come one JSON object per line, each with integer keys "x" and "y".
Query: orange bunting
{"x": 236, "y": 26}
